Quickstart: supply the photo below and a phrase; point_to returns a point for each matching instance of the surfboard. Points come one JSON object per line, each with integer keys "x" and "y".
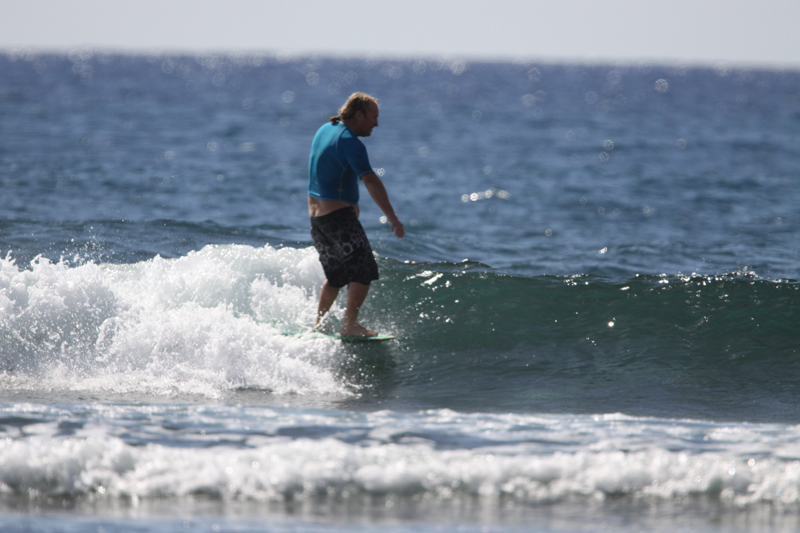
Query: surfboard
{"x": 337, "y": 336}
{"x": 377, "y": 338}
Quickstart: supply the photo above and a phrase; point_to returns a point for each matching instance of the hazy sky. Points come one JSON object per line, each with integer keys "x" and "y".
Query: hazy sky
{"x": 749, "y": 32}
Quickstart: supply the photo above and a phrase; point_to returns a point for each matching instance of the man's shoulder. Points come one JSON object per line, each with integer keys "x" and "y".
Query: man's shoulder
{"x": 327, "y": 135}
{"x": 327, "y": 129}
{"x": 335, "y": 131}
{"x": 339, "y": 138}
{"x": 345, "y": 133}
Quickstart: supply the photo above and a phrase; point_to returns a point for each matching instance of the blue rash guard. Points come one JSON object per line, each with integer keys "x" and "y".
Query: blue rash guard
{"x": 338, "y": 159}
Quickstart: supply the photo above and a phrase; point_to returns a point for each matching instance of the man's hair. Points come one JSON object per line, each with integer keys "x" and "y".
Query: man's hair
{"x": 357, "y": 102}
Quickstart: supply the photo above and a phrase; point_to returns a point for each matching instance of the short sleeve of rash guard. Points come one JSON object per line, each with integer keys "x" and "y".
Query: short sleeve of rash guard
{"x": 355, "y": 153}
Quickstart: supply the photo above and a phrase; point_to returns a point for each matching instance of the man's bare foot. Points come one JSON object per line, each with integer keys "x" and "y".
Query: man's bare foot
{"x": 358, "y": 330}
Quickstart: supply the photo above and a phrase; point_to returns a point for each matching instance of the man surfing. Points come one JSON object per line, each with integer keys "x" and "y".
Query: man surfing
{"x": 338, "y": 160}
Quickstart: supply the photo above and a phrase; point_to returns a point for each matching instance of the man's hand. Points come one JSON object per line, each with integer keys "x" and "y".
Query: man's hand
{"x": 378, "y": 193}
{"x": 397, "y": 226}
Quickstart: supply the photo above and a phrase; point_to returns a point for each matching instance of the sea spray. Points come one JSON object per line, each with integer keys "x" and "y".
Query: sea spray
{"x": 211, "y": 321}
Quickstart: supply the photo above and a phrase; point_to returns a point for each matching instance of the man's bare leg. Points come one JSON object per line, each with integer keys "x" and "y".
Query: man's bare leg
{"x": 327, "y": 295}
{"x": 356, "y": 294}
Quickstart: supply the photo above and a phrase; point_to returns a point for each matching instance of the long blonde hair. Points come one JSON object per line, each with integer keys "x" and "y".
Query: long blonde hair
{"x": 357, "y": 102}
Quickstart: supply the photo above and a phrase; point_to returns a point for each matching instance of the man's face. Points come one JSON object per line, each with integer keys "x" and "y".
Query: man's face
{"x": 365, "y": 122}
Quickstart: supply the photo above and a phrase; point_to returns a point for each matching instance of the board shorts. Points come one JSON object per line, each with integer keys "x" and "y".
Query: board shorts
{"x": 343, "y": 248}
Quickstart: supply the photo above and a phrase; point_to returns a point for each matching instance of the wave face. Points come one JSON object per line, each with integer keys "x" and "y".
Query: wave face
{"x": 680, "y": 344}
{"x": 227, "y": 318}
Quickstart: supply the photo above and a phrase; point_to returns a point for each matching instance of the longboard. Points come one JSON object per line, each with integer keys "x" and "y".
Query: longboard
{"x": 337, "y": 336}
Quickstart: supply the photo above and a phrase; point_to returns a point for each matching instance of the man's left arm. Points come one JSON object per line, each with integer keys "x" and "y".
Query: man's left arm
{"x": 379, "y": 195}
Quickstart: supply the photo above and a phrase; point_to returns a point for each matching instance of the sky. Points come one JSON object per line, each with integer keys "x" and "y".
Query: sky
{"x": 763, "y": 33}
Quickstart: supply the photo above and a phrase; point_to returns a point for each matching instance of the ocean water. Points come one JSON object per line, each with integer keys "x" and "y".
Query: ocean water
{"x": 596, "y": 303}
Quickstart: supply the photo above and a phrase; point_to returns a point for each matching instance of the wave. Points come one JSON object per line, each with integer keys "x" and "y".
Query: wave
{"x": 222, "y": 319}
{"x": 719, "y": 347}
{"x": 233, "y": 454}
{"x": 739, "y": 313}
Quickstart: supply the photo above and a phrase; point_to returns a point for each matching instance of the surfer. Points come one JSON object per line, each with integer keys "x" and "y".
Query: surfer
{"x": 338, "y": 160}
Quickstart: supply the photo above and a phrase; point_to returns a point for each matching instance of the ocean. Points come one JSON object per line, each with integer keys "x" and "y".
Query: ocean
{"x": 596, "y": 302}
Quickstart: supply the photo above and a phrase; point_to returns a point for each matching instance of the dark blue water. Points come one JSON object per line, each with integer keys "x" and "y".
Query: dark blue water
{"x": 596, "y": 300}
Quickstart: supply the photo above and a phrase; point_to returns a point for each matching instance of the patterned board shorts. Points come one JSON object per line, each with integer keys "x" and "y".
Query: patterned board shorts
{"x": 343, "y": 248}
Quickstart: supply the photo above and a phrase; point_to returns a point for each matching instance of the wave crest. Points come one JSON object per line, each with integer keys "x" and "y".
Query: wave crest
{"x": 211, "y": 321}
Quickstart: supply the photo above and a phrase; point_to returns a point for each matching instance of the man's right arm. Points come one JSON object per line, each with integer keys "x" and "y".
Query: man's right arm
{"x": 379, "y": 195}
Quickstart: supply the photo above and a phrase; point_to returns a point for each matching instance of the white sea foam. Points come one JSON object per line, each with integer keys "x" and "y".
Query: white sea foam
{"x": 251, "y": 458}
{"x": 210, "y": 321}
